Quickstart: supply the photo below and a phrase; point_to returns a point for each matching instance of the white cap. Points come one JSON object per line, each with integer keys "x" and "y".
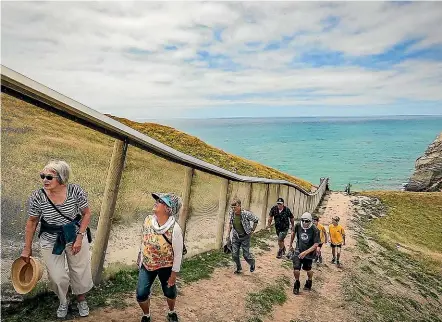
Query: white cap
{"x": 307, "y": 215}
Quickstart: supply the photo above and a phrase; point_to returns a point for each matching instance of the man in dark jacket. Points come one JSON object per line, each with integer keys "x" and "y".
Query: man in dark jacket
{"x": 308, "y": 239}
{"x": 283, "y": 216}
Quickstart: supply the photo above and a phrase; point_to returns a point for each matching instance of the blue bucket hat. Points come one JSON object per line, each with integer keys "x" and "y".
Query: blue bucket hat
{"x": 170, "y": 200}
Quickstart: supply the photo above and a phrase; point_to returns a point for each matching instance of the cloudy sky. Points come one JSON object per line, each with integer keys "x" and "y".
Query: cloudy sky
{"x": 226, "y": 59}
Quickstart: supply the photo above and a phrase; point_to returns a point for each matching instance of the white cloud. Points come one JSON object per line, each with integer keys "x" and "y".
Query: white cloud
{"x": 111, "y": 55}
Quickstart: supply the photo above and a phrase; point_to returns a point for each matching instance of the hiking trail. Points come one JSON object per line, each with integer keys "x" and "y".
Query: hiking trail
{"x": 223, "y": 297}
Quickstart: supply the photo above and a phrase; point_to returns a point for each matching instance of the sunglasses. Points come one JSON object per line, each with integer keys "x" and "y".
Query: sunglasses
{"x": 305, "y": 220}
{"x": 47, "y": 176}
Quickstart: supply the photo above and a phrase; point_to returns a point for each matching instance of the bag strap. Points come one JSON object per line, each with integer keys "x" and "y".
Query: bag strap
{"x": 167, "y": 239}
{"x": 169, "y": 242}
{"x": 58, "y": 210}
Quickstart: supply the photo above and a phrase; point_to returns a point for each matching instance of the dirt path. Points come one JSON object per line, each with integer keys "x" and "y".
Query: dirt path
{"x": 223, "y": 297}
{"x": 325, "y": 301}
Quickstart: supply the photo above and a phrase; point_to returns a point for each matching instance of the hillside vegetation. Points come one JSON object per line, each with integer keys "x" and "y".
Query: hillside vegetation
{"x": 397, "y": 273}
{"x": 31, "y": 136}
{"x": 197, "y": 148}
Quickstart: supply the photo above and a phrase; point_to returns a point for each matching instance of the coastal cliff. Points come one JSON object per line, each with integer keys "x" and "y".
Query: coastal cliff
{"x": 428, "y": 169}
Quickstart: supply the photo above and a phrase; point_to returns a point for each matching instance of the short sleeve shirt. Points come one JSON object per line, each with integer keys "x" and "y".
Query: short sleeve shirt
{"x": 39, "y": 206}
{"x": 282, "y": 219}
{"x": 306, "y": 238}
{"x": 336, "y": 233}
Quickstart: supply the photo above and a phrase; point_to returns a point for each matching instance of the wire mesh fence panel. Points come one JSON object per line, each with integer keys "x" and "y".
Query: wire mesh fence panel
{"x": 241, "y": 191}
{"x": 283, "y": 193}
{"x": 297, "y": 205}
{"x": 304, "y": 204}
{"x": 202, "y": 222}
{"x": 291, "y": 200}
{"x": 258, "y": 204}
{"x": 144, "y": 173}
{"x": 311, "y": 203}
{"x": 30, "y": 138}
{"x": 272, "y": 197}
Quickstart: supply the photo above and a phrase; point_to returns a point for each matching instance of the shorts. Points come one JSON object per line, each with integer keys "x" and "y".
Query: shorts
{"x": 335, "y": 245}
{"x": 146, "y": 279}
{"x": 282, "y": 234}
{"x": 305, "y": 263}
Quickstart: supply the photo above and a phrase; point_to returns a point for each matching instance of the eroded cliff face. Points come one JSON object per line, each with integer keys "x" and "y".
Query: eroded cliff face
{"x": 427, "y": 175}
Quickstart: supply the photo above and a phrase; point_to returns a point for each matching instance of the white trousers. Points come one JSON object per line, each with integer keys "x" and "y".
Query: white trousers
{"x": 77, "y": 274}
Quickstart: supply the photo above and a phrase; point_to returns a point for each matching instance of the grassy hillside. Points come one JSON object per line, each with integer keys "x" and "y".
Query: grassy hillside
{"x": 397, "y": 275}
{"x": 414, "y": 222}
{"x": 195, "y": 147}
{"x": 32, "y": 136}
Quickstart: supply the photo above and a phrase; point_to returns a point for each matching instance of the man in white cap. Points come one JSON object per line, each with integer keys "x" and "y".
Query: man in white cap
{"x": 308, "y": 238}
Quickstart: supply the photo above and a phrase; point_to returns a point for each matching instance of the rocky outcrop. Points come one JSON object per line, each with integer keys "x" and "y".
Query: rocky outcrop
{"x": 367, "y": 208}
{"x": 428, "y": 169}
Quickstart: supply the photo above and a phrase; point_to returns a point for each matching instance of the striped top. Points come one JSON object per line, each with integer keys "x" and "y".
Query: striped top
{"x": 39, "y": 206}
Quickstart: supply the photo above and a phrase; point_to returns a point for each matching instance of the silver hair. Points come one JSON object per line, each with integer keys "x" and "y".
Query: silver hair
{"x": 62, "y": 169}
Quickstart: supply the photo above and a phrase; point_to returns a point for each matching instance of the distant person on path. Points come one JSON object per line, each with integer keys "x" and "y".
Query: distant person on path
{"x": 307, "y": 239}
{"x": 283, "y": 217}
{"x": 63, "y": 211}
{"x": 240, "y": 220}
{"x": 323, "y": 237}
{"x": 161, "y": 253}
{"x": 337, "y": 239}
{"x": 347, "y": 188}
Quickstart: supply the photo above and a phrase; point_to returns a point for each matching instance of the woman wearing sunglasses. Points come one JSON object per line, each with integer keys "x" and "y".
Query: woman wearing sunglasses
{"x": 64, "y": 213}
{"x": 161, "y": 253}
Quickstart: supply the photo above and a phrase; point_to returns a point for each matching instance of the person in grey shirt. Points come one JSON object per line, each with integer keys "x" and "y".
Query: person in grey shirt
{"x": 240, "y": 222}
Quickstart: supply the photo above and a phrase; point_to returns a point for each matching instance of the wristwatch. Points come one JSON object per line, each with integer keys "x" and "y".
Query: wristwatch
{"x": 81, "y": 233}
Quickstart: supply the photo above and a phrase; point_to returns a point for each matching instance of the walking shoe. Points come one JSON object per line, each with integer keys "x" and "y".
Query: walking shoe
{"x": 338, "y": 264}
{"x": 279, "y": 254}
{"x": 308, "y": 285}
{"x": 333, "y": 261}
{"x": 145, "y": 318}
{"x": 252, "y": 268}
{"x": 172, "y": 317}
{"x": 296, "y": 287}
{"x": 83, "y": 309}
{"x": 62, "y": 311}
{"x": 238, "y": 271}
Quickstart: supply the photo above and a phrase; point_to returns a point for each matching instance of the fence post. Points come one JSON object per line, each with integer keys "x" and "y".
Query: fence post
{"x": 107, "y": 209}
{"x": 189, "y": 172}
{"x": 223, "y": 199}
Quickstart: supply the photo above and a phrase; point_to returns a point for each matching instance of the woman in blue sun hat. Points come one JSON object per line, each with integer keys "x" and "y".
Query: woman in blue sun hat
{"x": 161, "y": 253}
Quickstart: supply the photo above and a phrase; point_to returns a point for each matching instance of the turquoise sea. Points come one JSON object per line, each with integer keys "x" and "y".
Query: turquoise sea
{"x": 370, "y": 153}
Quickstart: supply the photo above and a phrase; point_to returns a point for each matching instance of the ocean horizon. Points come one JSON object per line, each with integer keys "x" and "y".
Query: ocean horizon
{"x": 370, "y": 152}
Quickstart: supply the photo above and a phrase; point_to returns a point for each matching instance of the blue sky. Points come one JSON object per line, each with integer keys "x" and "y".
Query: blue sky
{"x": 146, "y": 60}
